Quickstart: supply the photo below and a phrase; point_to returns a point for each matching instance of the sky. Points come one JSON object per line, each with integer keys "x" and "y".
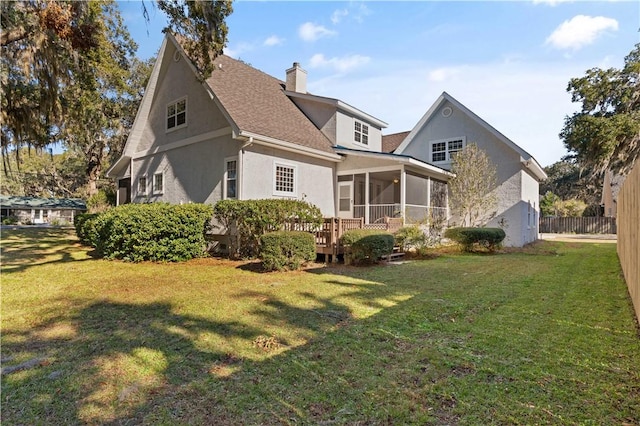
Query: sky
{"x": 509, "y": 62}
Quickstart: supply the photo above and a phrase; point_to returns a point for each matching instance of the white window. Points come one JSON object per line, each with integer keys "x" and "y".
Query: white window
{"x": 361, "y": 133}
{"x": 445, "y": 150}
{"x": 177, "y": 114}
{"x": 158, "y": 183}
{"x": 142, "y": 185}
{"x": 284, "y": 179}
{"x": 231, "y": 178}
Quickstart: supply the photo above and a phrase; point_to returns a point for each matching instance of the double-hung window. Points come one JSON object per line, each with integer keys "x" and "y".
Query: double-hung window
{"x": 142, "y": 185}
{"x": 361, "y": 133}
{"x": 231, "y": 178}
{"x": 446, "y": 150}
{"x": 158, "y": 183}
{"x": 177, "y": 114}
{"x": 284, "y": 182}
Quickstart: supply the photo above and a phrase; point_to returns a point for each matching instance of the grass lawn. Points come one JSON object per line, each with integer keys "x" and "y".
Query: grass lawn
{"x": 545, "y": 335}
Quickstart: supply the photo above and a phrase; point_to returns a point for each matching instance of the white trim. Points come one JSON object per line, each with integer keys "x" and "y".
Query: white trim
{"x": 168, "y": 129}
{"x": 184, "y": 142}
{"x": 289, "y": 146}
{"x": 153, "y": 184}
{"x": 225, "y": 177}
{"x": 445, "y": 97}
{"x": 340, "y": 105}
{"x": 361, "y": 132}
{"x": 447, "y": 154}
{"x": 294, "y": 167}
{"x": 400, "y": 159}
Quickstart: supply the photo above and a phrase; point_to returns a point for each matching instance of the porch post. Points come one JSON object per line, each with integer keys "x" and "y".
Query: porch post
{"x": 366, "y": 197}
{"x": 429, "y": 197}
{"x": 403, "y": 193}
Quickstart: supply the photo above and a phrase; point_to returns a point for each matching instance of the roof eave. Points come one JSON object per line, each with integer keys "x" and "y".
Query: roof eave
{"x": 287, "y": 146}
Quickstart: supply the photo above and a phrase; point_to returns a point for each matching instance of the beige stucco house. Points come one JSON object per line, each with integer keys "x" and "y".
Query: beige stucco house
{"x": 447, "y": 127}
{"x": 247, "y": 135}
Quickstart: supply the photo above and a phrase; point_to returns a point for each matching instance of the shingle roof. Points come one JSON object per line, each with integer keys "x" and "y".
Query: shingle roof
{"x": 17, "y": 202}
{"x": 256, "y": 103}
{"x": 392, "y": 141}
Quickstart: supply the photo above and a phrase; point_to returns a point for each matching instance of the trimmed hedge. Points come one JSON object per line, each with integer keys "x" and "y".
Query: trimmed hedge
{"x": 489, "y": 238}
{"x": 85, "y": 224}
{"x": 248, "y": 220}
{"x": 156, "y": 232}
{"x": 287, "y": 250}
{"x": 366, "y": 245}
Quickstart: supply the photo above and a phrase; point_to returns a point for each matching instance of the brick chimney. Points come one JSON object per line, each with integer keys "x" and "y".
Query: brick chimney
{"x": 296, "y": 79}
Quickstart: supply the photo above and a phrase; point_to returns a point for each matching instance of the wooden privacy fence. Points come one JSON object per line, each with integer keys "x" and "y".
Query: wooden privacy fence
{"x": 629, "y": 234}
{"x": 578, "y": 225}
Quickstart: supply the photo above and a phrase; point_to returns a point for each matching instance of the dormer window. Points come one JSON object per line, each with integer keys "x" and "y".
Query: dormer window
{"x": 361, "y": 133}
{"x": 177, "y": 114}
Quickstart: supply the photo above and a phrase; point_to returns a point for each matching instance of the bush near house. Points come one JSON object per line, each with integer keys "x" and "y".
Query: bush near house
{"x": 287, "y": 250}
{"x": 410, "y": 237}
{"x": 366, "y": 245}
{"x": 85, "y": 224}
{"x": 469, "y": 238}
{"x": 156, "y": 232}
{"x": 247, "y": 220}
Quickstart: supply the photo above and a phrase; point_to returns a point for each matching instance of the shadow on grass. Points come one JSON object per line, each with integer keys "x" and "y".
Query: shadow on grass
{"x": 107, "y": 359}
{"x": 24, "y": 248}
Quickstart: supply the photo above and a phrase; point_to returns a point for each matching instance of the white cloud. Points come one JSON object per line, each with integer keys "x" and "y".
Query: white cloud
{"x": 238, "y": 49}
{"x": 551, "y": 2}
{"x": 443, "y": 74}
{"x": 311, "y": 32}
{"x": 338, "y": 14}
{"x": 274, "y": 40}
{"x": 342, "y": 65}
{"x": 580, "y": 31}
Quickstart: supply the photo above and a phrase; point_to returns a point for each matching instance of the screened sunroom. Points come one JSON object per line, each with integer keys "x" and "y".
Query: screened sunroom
{"x": 378, "y": 186}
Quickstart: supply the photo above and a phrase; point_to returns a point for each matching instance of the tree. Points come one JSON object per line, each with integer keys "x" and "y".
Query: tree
{"x": 570, "y": 208}
{"x": 605, "y": 134}
{"x": 567, "y": 179}
{"x": 200, "y": 26}
{"x": 471, "y": 194}
{"x": 65, "y": 66}
{"x": 548, "y": 204}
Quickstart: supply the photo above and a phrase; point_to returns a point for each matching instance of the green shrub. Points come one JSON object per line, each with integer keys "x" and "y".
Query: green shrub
{"x": 85, "y": 224}
{"x": 103, "y": 200}
{"x": 282, "y": 250}
{"x": 409, "y": 237}
{"x": 156, "y": 232}
{"x": 10, "y": 220}
{"x": 366, "y": 245}
{"x": 247, "y": 220}
{"x": 468, "y": 238}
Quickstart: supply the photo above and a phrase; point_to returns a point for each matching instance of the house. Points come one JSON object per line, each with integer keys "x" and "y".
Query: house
{"x": 35, "y": 210}
{"x": 610, "y": 190}
{"x": 446, "y": 128}
{"x": 243, "y": 134}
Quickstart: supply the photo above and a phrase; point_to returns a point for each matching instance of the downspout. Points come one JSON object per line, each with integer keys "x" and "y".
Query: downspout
{"x": 403, "y": 193}
{"x": 241, "y": 167}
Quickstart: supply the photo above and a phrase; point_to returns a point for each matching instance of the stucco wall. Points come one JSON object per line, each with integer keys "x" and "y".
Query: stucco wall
{"x": 515, "y": 188}
{"x": 315, "y": 178}
{"x": 192, "y": 173}
{"x": 345, "y": 133}
{"x": 175, "y": 81}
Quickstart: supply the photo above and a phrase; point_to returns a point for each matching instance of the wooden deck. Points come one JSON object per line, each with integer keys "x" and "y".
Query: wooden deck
{"x": 328, "y": 238}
